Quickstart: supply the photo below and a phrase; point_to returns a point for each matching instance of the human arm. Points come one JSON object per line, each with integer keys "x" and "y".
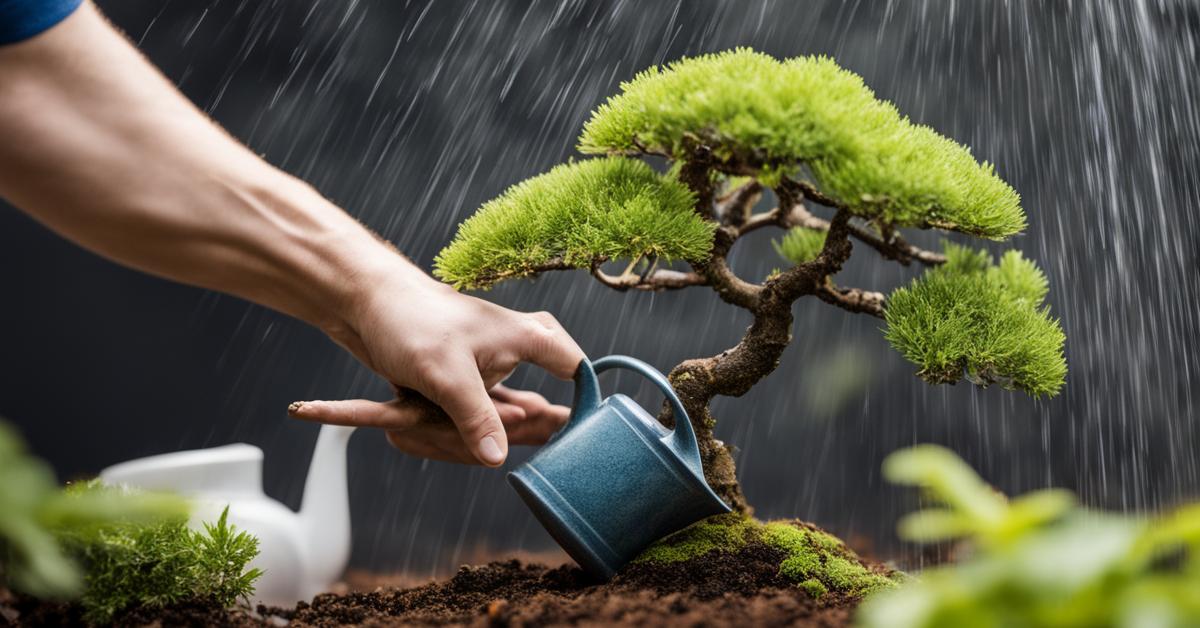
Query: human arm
{"x": 101, "y": 148}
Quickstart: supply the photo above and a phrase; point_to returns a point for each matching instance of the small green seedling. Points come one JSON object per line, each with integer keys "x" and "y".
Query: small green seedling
{"x": 111, "y": 549}
{"x": 152, "y": 565}
{"x": 33, "y": 508}
{"x": 1037, "y": 560}
{"x": 733, "y": 126}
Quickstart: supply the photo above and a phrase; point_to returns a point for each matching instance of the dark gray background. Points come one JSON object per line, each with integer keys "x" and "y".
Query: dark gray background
{"x": 411, "y": 114}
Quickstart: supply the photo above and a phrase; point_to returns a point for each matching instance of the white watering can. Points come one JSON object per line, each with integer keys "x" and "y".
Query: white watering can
{"x": 301, "y": 553}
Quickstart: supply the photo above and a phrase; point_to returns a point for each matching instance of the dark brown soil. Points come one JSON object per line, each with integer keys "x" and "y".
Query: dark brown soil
{"x": 717, "y": 589}
{"x": 713, "y": 590}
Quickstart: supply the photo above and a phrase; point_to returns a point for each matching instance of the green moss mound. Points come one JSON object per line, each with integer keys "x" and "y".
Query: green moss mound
{"x": 751, "y": 108}
{"x": 986, "y": 321}
{"x": 576, "y": 213}
{"x": 811, "y": 558}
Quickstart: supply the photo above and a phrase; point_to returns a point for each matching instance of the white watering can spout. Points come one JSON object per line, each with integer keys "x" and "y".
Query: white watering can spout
{"x": 301, "y": 554}
{"x": 325, "y": 507}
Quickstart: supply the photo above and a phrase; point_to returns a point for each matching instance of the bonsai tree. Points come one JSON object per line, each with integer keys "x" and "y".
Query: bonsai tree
{"x": 844, "y": 167}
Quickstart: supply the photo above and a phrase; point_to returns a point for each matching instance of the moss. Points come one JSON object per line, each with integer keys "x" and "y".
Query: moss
{"x": 814, "y": 560}
{"x": 982, "y": 320}
{"x": 573, "y": 215}
{"x": 816, "y": 556}
{"x": 750, "y": 107}
{"x": 814, "y": 588}
{"x": 800, "y": 245}
{"x": 729, "y": 532}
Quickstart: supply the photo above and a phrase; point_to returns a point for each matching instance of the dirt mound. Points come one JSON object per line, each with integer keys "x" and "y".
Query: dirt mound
{"x": 711, "y": 590}
{"x": 723, "y": 572}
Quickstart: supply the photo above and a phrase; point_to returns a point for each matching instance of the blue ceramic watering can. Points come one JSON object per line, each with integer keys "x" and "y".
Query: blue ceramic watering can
{"x": 613, "y": 480}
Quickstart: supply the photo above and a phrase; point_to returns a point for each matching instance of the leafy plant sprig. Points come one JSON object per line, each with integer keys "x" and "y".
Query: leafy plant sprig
{"x": 131, "y": 565}
{"x": 32, "y": 507}
{"x": 111, "y": 548}
{"x": 1039, "y": 560}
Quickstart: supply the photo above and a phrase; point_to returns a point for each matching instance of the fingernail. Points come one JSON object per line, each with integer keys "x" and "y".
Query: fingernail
{"x": 489, "y": 449}
{"x": 295, "y": 406}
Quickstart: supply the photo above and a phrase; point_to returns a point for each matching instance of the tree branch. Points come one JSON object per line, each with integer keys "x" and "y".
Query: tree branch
{"x": 807, "y": 278}
{"x": 733, "y": 208}
{"x": 654, "y": 281}
{"x": 772, "y": 218}
{"x": 891, "y": 245}
{"x": 804, "y": 189}
{"x": 853, "y": 299}
{"x": 895, "y": 247}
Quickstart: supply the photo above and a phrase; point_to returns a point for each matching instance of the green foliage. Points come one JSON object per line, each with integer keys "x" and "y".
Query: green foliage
{"x": 155, "y": 565}
{"x": 800, "y": 245}
{"x": 1039, "y": 560}
{"x": 987, "y": 321}
{"x": 971, "y": 507}
{"x": 576, "y": 213}
{"x": 32, "y": 507}
{"x": 813, "y": 559}
{"x": 750, "y": 108}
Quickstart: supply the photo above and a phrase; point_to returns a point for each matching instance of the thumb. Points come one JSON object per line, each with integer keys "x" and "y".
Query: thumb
{"x": 474, "y": 413}
{"x": 547, "y": 344}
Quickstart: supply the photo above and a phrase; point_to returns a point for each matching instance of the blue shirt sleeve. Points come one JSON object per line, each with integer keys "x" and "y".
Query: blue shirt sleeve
{"x": 22, "y": 19}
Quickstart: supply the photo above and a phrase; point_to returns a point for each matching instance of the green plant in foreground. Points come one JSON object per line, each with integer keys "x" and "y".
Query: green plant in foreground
{"x": 813, "y": 559}
{"x": 733, "y": 127}
{"x": 110, "y": 548}
{"x": 154, "y": 565}
{"x": 1038, "y": 560}
{"x": 33, "y": 509}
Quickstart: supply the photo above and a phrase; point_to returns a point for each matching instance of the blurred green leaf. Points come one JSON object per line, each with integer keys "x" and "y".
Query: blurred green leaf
{"x": 1040, "y": 559}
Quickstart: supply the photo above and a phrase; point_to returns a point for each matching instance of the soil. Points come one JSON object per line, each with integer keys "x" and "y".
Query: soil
{"x": 716, "y": 589}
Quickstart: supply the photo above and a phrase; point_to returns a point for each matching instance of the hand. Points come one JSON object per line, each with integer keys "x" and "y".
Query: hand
{"x": 418, "y": 428}
{"x": 454, "y": 350}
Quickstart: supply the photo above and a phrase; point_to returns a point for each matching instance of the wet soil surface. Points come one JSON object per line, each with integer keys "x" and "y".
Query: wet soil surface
{"x": 717, "y": 589}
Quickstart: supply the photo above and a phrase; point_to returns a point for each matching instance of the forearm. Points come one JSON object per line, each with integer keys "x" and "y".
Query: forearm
{"x": 98, "y": 146}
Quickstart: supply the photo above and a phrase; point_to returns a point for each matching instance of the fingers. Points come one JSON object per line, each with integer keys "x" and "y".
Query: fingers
{"x": 509, "y": 413}
{"x": 533, "y": 404}
{"x": 545, "y": 343}
{"x": 448, "y": 449}
{"x": 541, "y": 419}
{"x": 460, "y": 392}
{"x": 357, "y": 413}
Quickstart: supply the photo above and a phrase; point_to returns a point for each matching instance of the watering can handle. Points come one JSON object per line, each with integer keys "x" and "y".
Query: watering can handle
{"x": 683, "y": 437}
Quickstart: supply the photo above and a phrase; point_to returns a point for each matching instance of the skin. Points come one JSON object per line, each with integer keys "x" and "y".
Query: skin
{"x": 102, "y": 149}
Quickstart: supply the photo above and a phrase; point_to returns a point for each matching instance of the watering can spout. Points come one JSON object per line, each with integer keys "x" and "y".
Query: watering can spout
{"x": 325, "y": 508}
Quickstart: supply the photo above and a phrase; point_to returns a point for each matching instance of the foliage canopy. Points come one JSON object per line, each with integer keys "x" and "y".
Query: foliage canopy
{"x": 982, "y": 319}
{"x": 753, "y": 109}
{"x": 576, "y": 214}
{"x": 1039, "y": 560}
